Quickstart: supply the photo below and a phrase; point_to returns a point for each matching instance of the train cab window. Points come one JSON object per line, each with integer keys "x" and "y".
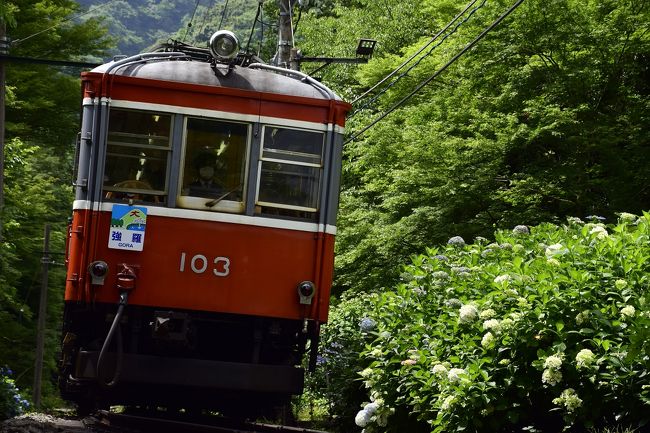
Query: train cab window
{"x": 290, "y": 171}
{"x": 137, "y": 156}
{"x": 214, "y": 165}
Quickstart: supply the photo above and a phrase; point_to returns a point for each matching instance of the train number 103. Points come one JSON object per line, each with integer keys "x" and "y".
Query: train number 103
{"x": 199, "y": 263}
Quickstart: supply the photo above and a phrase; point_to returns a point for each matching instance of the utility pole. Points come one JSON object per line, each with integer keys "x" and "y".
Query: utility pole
{"x": 4, "y": 50}
{"x": 42, "y": 312}
{"x": 285, "y": 35}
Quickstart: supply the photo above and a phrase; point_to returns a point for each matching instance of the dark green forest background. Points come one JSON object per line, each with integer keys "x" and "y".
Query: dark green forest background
{"x": 546, "y": 117}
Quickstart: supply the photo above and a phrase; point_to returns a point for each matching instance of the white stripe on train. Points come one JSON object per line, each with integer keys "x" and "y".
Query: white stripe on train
{"x": 217, "y": 217}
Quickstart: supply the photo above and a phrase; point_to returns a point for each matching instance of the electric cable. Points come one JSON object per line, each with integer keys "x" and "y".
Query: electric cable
{"x": 90, "y": 10}
{"x": 439, "y": 71}
{"x": 189, "y": 25}
{"x": 259, "y": 49}
{"x": 205, "y": 16}
{"x": 295, "y": 26}
{"x": 250, "y": 36}
{"x": 449, "y": 24}
{"x": 428, "y": 53}
{"x": 223, "y": 14}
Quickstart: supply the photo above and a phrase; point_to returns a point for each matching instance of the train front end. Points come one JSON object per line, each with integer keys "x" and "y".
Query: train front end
{"x": 200, "y": 253}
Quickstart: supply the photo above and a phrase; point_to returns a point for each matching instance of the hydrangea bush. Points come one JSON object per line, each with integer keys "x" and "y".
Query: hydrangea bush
{"x": 544, "y": 329}
{"x": 11, "y": 402}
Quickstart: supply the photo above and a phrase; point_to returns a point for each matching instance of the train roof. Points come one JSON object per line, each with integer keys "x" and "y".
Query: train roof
{"x": 257, "y": 77}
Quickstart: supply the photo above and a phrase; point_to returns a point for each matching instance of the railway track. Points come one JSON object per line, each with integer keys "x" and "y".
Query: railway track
{"x": 158, "y": 424}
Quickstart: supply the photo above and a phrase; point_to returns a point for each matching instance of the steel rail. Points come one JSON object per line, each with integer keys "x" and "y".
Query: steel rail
{"x": 188, "y": 425}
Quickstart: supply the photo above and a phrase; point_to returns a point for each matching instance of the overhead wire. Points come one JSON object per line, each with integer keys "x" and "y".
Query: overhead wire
{"x": 383, "y": 80}
{"x": 81, "y": 15}
{"x": 189, "y": 25}
{"x": 223, "y": 14}
{"x": 257, "y": 15}
{"x": 259, "y": 48}
{"x": 428, "y": 53}
{"x": 439, "y": 71}
{"x": 205, "y": 16}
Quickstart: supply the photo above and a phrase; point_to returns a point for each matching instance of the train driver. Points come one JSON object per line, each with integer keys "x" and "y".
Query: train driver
{"x": 206, "y": 184}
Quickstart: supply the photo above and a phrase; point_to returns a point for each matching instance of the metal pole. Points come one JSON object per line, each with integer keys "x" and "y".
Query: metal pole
{"x": 285, "y": 35}
{"x": 42, "y": 312}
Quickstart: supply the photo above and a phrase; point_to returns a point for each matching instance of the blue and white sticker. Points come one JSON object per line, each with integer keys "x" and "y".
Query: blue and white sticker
{"x": 128, "y": 224}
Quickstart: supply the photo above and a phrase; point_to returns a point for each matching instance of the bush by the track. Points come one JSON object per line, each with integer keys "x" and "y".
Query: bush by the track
{"x": 545, "y": 328}
{"x": 11, "y": 402}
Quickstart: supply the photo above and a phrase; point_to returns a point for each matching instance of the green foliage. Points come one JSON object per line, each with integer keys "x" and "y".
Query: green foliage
{"x": 34, "y": 196}
{"x": 11, "y": 402}
{"x": 43, "y": 101}
{"x": 341, "y": 342}
{"x": 546, "y": 117}
{"x": 42, "y": 121}
{"x": 537, "y": 331}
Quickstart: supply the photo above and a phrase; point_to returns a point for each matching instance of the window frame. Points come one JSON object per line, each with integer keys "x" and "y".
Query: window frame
{"x": 319, "y": 166}
{"x": 200, "y": 203}
{"x": 167, "y": 149}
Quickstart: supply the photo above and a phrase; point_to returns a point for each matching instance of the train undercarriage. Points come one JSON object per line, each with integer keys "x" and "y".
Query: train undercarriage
{"x": 240, "y": 366}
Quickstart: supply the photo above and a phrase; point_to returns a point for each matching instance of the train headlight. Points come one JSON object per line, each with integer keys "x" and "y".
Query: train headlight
{"x": 306, "y": 291}
{"x": 98, "y": 270}
{"x": 224, "y": 45}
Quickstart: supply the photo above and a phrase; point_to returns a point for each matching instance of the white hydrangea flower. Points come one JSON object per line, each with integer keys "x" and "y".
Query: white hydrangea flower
{"x": 447, "y": 403}
{"x": 492, "y": 324}
{"x": 488, "y": 340}
{"x": 582, "y": 317}
{"x": 569, "y": 399}
{"x": 554, "y": 361}
{"x": 366, "y": 373}
{"x": 628, "y": 311}
{"x": 514, "y": 317}
{"x": 521, "y": 230}
{"x": 551, "y": 376}
{"x": 440, "y": 275}
{"x": 522, "y": 302}
{"x": 628, "y": 217}
{"x": 371, "y": 407}
{"x": 511, "y": 292}
{"x": 575, "y": 220}
{"x": 454, "y": 374}
{"x": 456, "y": 241}
{"x": 487, "y": 314}
{"x": 363, "y": 418}
{"x": 599, "y": 231}
{"x": 620, "y": 284}
{"x": 554, "y": 262}
{"x": 439, "y": 370}
{"x": 585, "y": 358}
{"x": 503, "y": 279}
{"x": 468, "y": 313}
{"x": 555, "y": 250}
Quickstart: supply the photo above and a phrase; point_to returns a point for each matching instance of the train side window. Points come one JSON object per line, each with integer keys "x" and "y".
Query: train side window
{"x": 137, "y": 155}
{"x": 290, "y": 171}
{"x": 214, "y": 165}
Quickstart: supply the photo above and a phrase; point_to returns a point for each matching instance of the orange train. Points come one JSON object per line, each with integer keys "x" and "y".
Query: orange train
{"x": 200, "y": 252}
